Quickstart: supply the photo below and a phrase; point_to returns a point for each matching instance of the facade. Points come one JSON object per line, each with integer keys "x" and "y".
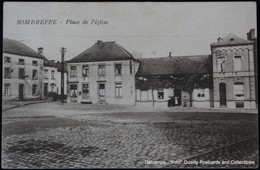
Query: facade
{"x": 234, "y": 73}
{"x": 104, "y": 73}
{"x": 52, "y": 77}
{"x": 178, "y": 78}
{"x": 22, "y": 68}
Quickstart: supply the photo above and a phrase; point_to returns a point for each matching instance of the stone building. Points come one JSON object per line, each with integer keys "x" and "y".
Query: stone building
{"x": 234, "y": 72}
{"x": 104, "y": 73}
{"x": 22, "y": 72}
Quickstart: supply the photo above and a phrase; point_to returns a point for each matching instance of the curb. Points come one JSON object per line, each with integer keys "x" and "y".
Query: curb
{"x": 24, "y": 105}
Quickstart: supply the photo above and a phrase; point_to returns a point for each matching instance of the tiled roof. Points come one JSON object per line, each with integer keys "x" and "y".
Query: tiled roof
{"x": 103, "y": 51}
{"x": 47, "y": 62}
{"x": 16, "y": 47}
{"x": 231, "y": 39}
{"x": 175, "y": 65}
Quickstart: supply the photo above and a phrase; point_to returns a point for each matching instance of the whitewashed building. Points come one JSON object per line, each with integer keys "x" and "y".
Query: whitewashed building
{"x": 160, "y": 79}
{"x": 104, "y": 73}
{"x": 22, "y": 72}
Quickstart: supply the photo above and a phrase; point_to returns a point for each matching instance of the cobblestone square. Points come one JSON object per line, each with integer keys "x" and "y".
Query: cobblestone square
{"x": 54, "y": 135}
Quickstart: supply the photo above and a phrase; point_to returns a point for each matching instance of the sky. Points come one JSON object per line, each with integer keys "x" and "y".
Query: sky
{"x": 151, "y": 28}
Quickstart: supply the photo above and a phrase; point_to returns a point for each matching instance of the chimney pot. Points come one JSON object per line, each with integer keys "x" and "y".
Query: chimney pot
{"x": 99, "y": 42}
{"x": 40, "y": 50}
{"x": 251, "y": 34}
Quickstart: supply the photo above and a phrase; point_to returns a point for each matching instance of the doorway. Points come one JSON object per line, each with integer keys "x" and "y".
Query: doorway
{"x": 177, "y": 97}
{"x": 101, "y": 91}
{"x": 73, "y": 92}
{"x": 222, "y": 94}
{"x": 45, "y": 89}
{"x": 21, "y": 91}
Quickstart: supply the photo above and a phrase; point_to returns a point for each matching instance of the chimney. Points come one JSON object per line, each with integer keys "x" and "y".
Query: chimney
{"x": 251, "y": 35}
{"x": 170, "y": 54}
{"x": 99, "y": 42}
{"x": 40, "y": 50}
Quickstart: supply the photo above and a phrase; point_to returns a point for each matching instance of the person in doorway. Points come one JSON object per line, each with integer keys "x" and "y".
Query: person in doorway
{"x": 171, "y": 102}
{"x": 176, "y": 100}
{"x": 184, "y": 101}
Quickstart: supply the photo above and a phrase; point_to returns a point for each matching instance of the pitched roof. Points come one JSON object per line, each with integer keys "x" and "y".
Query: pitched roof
{"x": 175, "y": 65}
{"x": 16, "y": 47}
{"x": 231, "y": 39}
{"x": 47, "y": 62}
{"x": 103, "y": 51}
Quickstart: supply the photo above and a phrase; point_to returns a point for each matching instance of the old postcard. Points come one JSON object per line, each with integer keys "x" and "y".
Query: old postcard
{"x": 129, "y": 85}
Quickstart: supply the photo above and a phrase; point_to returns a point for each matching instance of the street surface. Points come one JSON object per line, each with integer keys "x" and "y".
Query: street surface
{"x": 55, "y": 135}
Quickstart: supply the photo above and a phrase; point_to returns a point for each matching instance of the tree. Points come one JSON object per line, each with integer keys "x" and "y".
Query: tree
{"x": 185, "y": 82}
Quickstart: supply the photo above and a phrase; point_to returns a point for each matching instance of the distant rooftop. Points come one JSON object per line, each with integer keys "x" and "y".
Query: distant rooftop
{"x": 16, "y": 47}
{"x": 175, "y": 65}
{"x": 231, "y": 39}
{"x": 103, "y": 51}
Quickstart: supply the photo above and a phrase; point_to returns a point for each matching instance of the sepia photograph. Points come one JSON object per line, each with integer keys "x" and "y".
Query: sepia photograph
{"x": 129, "y": 85}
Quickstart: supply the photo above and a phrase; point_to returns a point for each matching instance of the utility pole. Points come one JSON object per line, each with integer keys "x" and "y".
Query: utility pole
{"x": 63, "y": 50}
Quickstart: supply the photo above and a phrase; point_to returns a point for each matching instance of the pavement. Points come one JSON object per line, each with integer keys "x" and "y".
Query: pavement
{"x": 7, "y": 105}
{"x": 64, "y": 135}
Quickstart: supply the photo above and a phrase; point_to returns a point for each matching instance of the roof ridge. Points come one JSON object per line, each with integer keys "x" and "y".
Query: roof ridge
{"x": 176, "y": 56}
{"x": 122, "y": 49}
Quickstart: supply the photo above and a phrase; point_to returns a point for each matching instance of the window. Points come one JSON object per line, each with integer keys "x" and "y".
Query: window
{"x": 34, "y": 63}
{"x": 73, "y": 71}
{"x": 201, "y": 94}
{"x": 85, "y": 91}
{"x": 118, "y": 69}
{"x": 34, "y": 74}
{"x": 34, "y": 89}
{"x": 7, "y": 59}
{"x": 85, "y": 70}
{"x": 7, "y": 89}
{"x": 21, "y": 73}
{"x": 52, "y": 87}
{"x": 239, "y": 104}
{"x": 7, "y": 72}
{"x": 52, "y": 74}
{"x": 160, "y": 94}
{"x": 46, "y": 74}
{"x": 118, "y": 89}
{"x": 237, "y": 63}
{"x": 21, "y": 61}
{"x": 220, "y": 63}
{"x": 239, "y": 91}
{"x": 131, "y": 69}
{"x": 102, "y": 70}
